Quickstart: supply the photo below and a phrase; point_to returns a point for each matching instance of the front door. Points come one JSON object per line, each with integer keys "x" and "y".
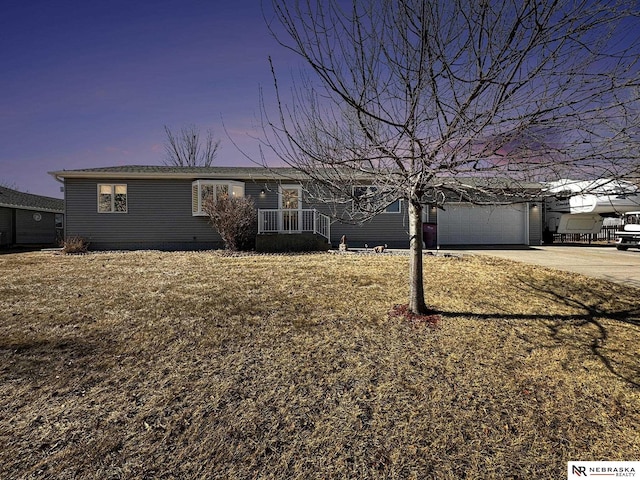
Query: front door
{"x": 291, "y": 207}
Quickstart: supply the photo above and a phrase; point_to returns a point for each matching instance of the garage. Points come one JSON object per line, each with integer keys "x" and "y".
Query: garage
{"x": 468, "y": 224}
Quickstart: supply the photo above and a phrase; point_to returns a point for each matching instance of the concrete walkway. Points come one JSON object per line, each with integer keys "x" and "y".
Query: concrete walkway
{"x": 603, "y": 262}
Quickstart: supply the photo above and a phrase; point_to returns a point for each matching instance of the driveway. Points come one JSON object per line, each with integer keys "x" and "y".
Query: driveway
{"x": 595, "y": 261}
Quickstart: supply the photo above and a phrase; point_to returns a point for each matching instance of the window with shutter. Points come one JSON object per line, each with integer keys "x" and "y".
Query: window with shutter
{"x": 195, "y": 204}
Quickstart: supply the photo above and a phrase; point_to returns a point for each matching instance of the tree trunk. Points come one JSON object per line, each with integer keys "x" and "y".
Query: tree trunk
{"x": 416, "y": 286}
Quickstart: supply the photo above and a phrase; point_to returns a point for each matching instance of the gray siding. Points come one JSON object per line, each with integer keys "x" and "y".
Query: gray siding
{"x": 6, "y": 226}
{"x": 386, "y": 228}
{"x": 30, "y": 231}
{"x": 430, "y": 214}
{"x": 27, "y": 231}
{"x": 159, "y": 216}
{"x": 535, "y": 224}
{"x": 268, "y": 200}
{"x": 389, "y": 228}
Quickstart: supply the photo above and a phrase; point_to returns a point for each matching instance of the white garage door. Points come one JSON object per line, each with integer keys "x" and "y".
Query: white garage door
{"x": 467, "y": 224}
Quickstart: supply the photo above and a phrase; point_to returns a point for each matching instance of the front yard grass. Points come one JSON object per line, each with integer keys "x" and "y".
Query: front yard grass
{"x": 200, "y": 365}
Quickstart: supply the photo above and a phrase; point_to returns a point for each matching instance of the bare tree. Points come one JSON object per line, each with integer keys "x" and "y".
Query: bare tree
{"x": 472, "y": 98}
{"x": 187, "y": 149}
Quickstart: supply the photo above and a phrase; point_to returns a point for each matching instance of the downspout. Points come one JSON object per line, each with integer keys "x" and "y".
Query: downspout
{"x": 14, "y": 226}
{"x": 64, "y": 206}
{"x": 526, "y": 224}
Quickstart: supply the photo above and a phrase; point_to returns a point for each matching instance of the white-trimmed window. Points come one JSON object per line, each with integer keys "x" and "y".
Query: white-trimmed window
{"x": 368, "y": 199}
{"x": 394, "y": 207}
{"x": 203, "y": 189}
{"x": 112, "y": 198}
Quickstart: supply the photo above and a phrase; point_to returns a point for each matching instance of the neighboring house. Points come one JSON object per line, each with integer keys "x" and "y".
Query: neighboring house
{"x": 27, "y": 219}
{"x": 160, "y": 207}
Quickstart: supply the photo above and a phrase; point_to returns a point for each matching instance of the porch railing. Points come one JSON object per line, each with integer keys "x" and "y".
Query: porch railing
{"x": 294, "y": 221}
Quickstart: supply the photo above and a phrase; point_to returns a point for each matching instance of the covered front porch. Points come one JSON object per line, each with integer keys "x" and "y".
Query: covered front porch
{"x": 294, "y": 221}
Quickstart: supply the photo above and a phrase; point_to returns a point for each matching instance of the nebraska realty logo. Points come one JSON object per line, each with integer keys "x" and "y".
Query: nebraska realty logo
{"x": 581, "y": 470}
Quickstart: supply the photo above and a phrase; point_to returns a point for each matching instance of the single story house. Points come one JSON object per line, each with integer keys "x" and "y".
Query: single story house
{"x": 27, "y": 219}
{"x": 160, "y": 207}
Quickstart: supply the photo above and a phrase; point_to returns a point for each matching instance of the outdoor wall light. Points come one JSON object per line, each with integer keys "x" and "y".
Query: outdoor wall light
{"x": 262, "y": 193}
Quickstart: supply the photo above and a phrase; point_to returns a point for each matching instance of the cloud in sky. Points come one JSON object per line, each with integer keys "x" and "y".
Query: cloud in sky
{"x": 90, "y": 84}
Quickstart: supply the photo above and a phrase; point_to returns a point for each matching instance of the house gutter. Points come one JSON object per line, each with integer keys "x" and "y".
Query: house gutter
{"x": 56, "y": 177}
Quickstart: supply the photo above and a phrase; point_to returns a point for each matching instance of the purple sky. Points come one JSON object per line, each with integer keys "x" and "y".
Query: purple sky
{"x": 86, "y": 84}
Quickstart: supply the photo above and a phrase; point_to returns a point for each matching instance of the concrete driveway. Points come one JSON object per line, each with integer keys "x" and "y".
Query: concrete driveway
{"x": 595, "y": 261}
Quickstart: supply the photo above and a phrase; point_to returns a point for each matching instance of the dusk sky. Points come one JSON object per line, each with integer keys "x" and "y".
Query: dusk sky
{"x": 89, "y": 84}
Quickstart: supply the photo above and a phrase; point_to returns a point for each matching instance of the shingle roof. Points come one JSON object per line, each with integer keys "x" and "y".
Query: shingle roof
{"x": 168, "y": 171}
{"x": 274, "y": 173}
{"x": 15, "y": 199}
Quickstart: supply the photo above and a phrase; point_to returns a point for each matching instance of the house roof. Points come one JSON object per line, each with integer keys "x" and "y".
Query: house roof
{"x": 250, "y": 173}
{"x": 456, "y": 189}
{"x": 163, "y": 171}
{"x": 27, "y": 201}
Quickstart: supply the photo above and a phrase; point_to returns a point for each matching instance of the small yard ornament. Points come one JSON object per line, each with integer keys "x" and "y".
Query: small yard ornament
{"x": 380, "y": 248}
{"x": 343, "y": 244}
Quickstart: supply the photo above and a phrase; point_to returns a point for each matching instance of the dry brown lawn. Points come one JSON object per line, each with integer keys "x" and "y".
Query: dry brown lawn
{"x": 153, "y": 365}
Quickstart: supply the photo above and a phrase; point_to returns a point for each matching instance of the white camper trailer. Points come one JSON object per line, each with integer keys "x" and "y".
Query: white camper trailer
{"x": 580, "y": 206}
